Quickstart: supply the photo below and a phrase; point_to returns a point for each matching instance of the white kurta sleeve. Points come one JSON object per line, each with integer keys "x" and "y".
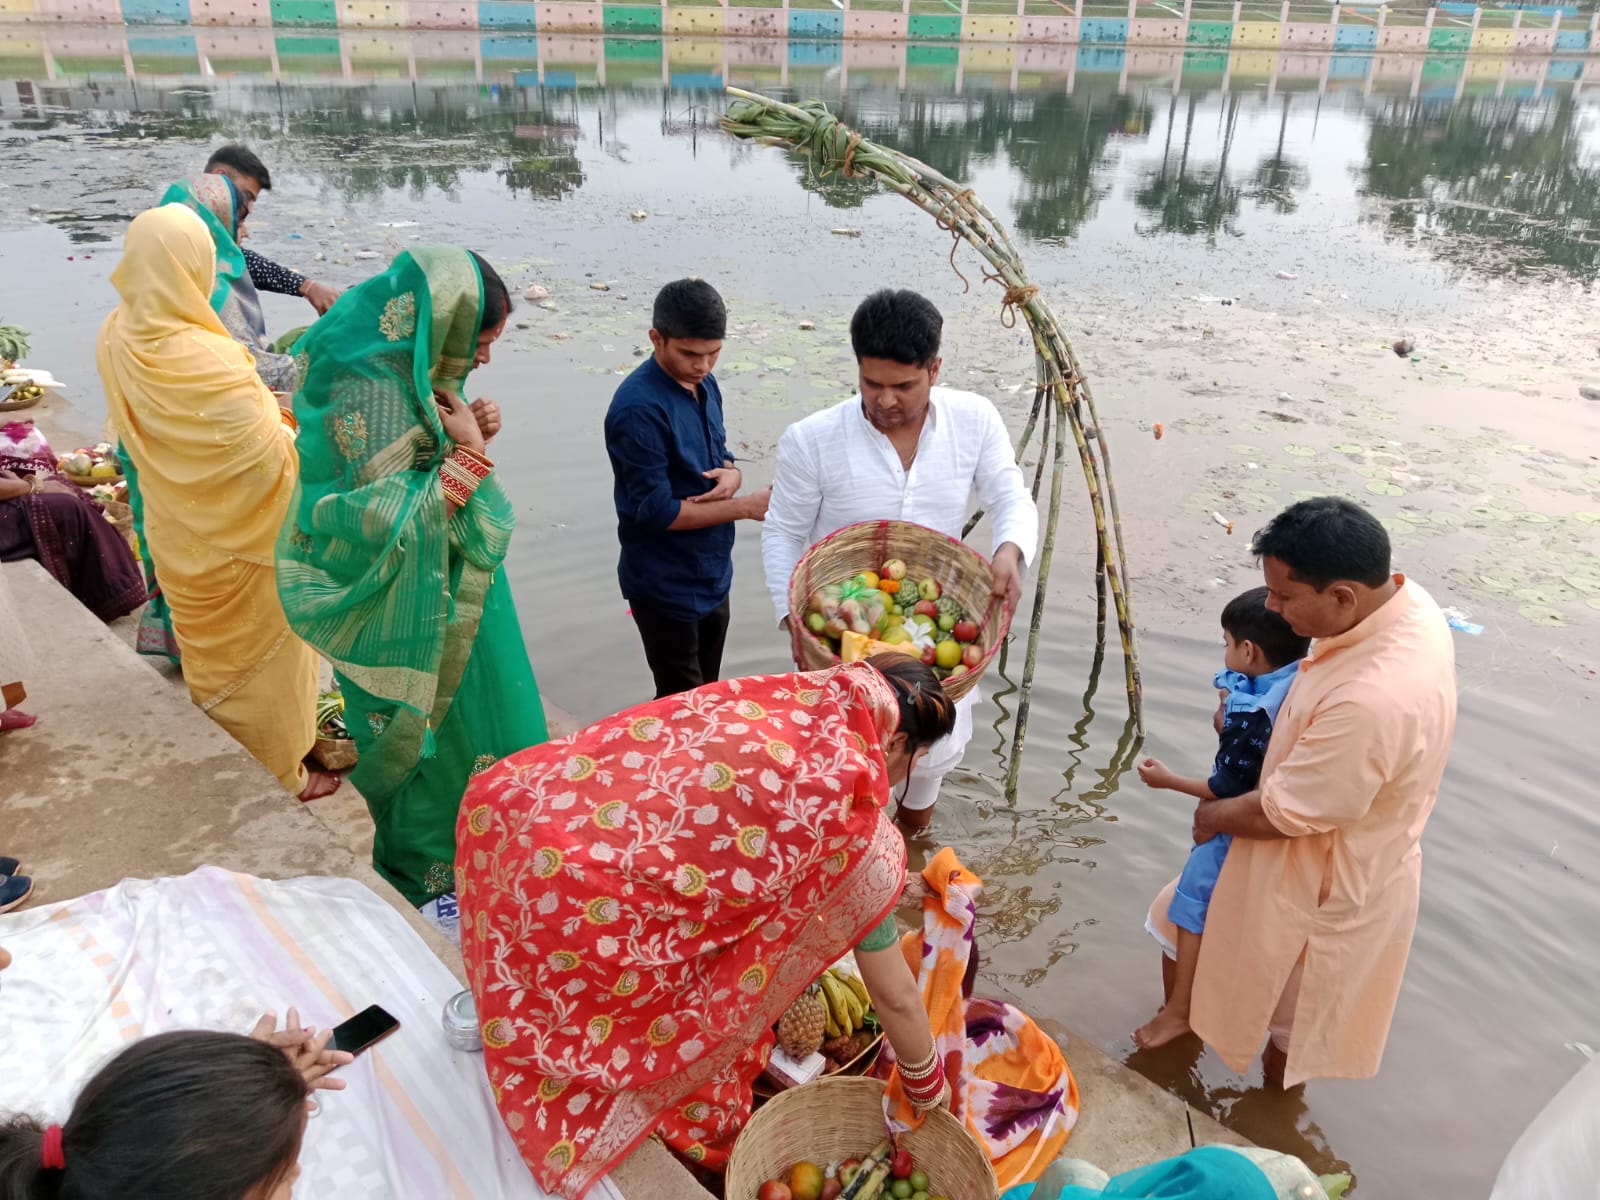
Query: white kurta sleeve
{"x": 791, "y": 514}
{"x": 1003, "y": 492}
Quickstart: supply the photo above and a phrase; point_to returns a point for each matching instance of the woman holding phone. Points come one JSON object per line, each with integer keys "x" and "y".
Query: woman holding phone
{"x": 390, "y": 564}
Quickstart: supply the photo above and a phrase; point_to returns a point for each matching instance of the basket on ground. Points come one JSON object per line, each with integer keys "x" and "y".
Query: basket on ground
{"x": 839, "y": 1118}
{"x": 963, "y": 574}
{"x": 335, "y": 754}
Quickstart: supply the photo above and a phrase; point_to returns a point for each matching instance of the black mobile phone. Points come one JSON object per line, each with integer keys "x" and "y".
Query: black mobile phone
{"x": 363, "y": 1031}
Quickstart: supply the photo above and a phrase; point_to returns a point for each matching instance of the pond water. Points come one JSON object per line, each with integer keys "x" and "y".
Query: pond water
{"x": 1231, "y": 264}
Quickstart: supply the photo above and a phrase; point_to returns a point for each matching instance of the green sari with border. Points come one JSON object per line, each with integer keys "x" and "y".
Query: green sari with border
{"x": 410, "y": 606}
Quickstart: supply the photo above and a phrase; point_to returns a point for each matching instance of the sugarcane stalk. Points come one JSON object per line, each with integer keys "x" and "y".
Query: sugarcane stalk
{"x": 1060, "y": 384}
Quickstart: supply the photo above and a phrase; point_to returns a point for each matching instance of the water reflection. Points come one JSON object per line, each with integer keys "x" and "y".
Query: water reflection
{"x": 1488, "y": 176}
{"x": 1482, "y": 182}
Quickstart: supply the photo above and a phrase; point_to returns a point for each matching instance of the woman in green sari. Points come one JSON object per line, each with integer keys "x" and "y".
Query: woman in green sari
{"x": 390, "y": 564}
{"x": 234, "y": 298}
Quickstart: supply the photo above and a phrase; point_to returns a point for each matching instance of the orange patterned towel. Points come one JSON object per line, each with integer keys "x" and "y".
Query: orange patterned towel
{"x": 1010, "y": 1083}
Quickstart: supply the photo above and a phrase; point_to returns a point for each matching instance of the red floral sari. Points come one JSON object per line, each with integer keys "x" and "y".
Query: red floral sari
{"x": 642, "y": 900}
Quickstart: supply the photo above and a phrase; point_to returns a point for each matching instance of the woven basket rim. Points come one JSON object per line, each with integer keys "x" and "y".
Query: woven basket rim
{"x": 811, "y": 1096}
{"x": 880, "y": 530}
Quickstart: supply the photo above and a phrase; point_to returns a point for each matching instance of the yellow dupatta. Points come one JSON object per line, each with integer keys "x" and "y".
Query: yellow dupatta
{"x": 217, "y": 471}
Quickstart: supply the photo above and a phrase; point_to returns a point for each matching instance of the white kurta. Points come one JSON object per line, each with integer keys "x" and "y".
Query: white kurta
{"x": 834, "y": 469}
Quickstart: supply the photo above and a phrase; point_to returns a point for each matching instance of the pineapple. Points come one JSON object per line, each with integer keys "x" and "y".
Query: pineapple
{"x": 801, "y": 1026}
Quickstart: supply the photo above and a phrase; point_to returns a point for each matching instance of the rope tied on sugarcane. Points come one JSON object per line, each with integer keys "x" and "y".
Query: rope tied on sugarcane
{"x": 810, "y": 129}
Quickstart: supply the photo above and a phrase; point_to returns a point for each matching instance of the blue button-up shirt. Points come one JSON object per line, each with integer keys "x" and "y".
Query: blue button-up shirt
{"x": 660, "y": 439}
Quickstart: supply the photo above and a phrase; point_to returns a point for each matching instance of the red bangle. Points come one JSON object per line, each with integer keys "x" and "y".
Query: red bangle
{"x": 924, "y": 1092}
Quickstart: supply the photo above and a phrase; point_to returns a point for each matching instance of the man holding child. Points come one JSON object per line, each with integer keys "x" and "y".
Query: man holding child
{"x": 1311, "y": 920}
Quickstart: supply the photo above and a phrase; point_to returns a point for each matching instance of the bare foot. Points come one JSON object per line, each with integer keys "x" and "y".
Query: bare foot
{"x": 1168, "y": 1025}
{"x": 15, "y": 718}
{"x": 320, "y": 784}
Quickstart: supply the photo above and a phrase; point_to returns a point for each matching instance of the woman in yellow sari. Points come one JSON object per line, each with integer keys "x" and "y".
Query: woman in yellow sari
{"x": 217, "y": 469}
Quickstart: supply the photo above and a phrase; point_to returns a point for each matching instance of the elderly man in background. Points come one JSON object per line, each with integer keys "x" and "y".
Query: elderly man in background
{"x": 902, "y": 449}
{"x": 250, "y": 175}
{"x": 1312, "y": 918}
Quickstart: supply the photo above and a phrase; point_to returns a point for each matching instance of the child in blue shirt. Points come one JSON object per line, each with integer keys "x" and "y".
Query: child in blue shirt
{"x": 1262, "y": 657}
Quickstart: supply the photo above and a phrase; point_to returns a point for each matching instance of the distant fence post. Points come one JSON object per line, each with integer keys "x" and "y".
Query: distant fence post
{"x": 1427, "y": 22}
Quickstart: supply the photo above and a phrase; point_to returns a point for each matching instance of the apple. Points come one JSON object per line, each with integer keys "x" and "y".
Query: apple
{"x": 957, "y": 671}
{"x": 971, "y": 656}
{"x": 929, "y": 589}
{"x": 831, "y": 1189}
{"x": 773, "y": 1190}
{"x": 893, "y": 569}
{"x": 848, "y": 1170}
{"x": 947, "y": 621}
{"x": 926, "y": 608}
{"x": 966, "y": 631}
{"x": 895, "y": 635}
{"x": 947, "y": 654}
{"x": 903, "y": 1164}
{"x": 868, "y": 580}
{"x": 929, "y": 656}
{"x": 816, "y": 622}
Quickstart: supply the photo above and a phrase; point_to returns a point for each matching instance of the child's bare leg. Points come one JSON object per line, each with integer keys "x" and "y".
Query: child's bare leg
{"x": 1172, "y": 1022}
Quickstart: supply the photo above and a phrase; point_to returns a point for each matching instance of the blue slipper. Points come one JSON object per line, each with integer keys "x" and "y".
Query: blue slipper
{"x": 8, "y": 866}
{"x": 14, "y": 890}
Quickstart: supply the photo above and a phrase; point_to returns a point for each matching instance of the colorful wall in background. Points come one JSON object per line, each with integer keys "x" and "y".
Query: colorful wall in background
{"x": 1257, "y": 25}
{"x": 69, "y": 55}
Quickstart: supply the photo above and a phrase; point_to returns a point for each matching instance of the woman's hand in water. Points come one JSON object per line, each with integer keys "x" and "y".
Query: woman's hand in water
{"x": 306, "y": 1048}
{"x": 459, "y": 421}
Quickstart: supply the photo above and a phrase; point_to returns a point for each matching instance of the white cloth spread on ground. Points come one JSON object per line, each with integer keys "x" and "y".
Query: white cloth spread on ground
{"x": 213, "y": 950}
{"x": 834, "y": 469}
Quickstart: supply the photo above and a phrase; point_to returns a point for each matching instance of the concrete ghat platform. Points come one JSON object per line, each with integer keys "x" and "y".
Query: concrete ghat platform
{"x": 123, "y": 776}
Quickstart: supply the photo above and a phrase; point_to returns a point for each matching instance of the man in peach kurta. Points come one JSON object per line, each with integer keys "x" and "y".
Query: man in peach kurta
{"x": 1313, "y": 914}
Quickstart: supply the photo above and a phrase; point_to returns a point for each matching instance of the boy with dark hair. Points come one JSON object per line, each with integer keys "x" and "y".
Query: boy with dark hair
{"x": 250, "y": 177}
{"x": 676, "y": 490}
{"x": 1261, "y": 660}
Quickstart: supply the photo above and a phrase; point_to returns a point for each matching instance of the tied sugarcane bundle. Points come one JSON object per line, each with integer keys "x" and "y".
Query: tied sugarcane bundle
{"x": 1060, "y": 391}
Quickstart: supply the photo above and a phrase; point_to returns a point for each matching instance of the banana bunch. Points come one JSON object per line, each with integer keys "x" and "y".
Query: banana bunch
{"x": 845, "y": 1002}
{"x": 28, "y": 384}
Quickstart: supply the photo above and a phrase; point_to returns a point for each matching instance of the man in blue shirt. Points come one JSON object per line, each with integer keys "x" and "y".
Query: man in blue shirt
{"x": 676, "y": 490}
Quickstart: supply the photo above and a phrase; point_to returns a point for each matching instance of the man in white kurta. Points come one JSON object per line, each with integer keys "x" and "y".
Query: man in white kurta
{"x": 901, "y": 449}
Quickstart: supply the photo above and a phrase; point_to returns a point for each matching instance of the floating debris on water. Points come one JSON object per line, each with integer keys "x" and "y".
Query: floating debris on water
{"x": 1223, "y": 521}
{"x": 600, "y": 287}
{"x": 1403, "y": 346}
{"x": 536, "y": 293}
{"x": 845, "y": 232}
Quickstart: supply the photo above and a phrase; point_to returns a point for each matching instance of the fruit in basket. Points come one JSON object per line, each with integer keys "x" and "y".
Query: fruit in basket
{"x": 831, "y": 1189}
{"x": 805, "y": 1181}
{"x": 947, "y": 654}
{"x": 773, "y": 1190}
{"x": 947, "y": 621}
{"x": 919, "y": 1181}
{"x": 972, "y": 656}
{"x": 800, "y": 1028}
{"x": 929, "y": 589}
{"x": 103, "y": 470}
{"x": 848, "y": 1170}
{"x": 868, "y": 580}
{"x": 894, "y": 569}
{"x": 77, "y": 463}
{"x": 965, "y": 630}
{"x": 926, "y": 608}
{"x": 816, "y": 622}
{"x": 903, "y": 1165}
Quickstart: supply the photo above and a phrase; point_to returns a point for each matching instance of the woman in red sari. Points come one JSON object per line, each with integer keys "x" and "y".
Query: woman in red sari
{"x": 642, "y": 900}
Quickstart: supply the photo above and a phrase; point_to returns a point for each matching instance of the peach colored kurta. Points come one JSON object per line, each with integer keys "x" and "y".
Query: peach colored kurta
{"x": 1350, "y": 777}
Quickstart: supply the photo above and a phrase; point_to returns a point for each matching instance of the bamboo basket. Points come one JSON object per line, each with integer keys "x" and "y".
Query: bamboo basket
{"x": 121, "y": 515}
{"x": 838, "y": 1118}
{"x": 963, "y": 573}
{"x": 92, "y": 481}
{"x": 335, "y": 754}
